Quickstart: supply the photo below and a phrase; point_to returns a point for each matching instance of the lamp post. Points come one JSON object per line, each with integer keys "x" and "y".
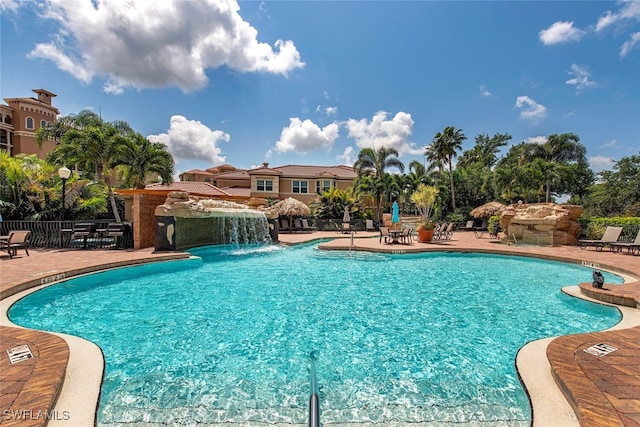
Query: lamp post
{"x": 64, "y": 173}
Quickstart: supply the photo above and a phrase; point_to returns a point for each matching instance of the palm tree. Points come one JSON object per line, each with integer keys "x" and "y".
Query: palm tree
{"x": 559, "y": 150}
{"x": 140, "y": 157}
{"x": 444, "y": 148}
{"x": 92, "y": 149}
{"x": 374, "y": 163}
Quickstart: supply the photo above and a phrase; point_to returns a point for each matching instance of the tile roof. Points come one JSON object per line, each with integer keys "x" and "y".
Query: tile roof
{"x": 193, "y": 187}
{"x": 340, "y": 171}
{"x": 197, "y": 172}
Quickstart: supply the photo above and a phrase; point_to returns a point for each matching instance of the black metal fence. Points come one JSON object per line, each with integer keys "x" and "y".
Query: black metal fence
{"x": 59, "y": 234}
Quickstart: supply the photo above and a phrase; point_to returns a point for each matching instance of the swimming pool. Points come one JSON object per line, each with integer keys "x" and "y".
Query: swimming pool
{"x": 400, "y": 338}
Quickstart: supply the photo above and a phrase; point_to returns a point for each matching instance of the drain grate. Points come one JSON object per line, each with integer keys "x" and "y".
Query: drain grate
{"x": 600, "y": 349}
{"x": 20, "y": 353}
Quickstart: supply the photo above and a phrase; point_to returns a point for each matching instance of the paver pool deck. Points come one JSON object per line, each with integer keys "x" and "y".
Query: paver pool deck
{"x": 602, "y": 391}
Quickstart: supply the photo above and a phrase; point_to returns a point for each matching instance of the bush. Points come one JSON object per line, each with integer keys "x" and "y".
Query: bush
{"x": 593, "y": 228}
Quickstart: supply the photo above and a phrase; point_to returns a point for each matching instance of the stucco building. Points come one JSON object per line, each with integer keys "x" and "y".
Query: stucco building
{"x": 20, "y": 119}
{"x": 298, "y": 181}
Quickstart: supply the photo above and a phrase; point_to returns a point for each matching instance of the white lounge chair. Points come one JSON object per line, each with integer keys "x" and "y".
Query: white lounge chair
{"x": 611, "y": 235}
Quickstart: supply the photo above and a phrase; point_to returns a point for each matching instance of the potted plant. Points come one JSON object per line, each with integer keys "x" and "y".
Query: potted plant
{"x": 424, "y": 198}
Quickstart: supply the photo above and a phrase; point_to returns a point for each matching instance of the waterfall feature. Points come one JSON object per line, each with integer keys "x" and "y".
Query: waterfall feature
{"x": 183, "y": 223}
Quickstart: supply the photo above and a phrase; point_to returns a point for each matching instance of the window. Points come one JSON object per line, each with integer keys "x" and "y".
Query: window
{"x": 29, "y": 123}
{"x": 323, "y": 185}
{"x": 43, "y": 123}
{"x": 265, "y": 185}
{"x": 300, "y": 187}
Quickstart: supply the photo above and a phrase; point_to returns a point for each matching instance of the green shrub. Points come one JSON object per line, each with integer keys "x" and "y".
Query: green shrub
{"x": 593, "y": 228}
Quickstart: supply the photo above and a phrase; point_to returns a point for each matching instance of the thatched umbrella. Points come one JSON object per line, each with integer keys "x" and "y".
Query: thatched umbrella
{"x": 488, "y": 209}
{"x": 290, "y": 207}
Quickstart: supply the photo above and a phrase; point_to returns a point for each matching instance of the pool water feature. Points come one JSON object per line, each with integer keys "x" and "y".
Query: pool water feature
{"x": 226, "y": 338}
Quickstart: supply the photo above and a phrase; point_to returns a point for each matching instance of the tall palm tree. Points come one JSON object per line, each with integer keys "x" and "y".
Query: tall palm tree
{"x": 93, "y": 149}
{"x": 444, "y": 148}
{"x": 374, "y": 163}
{"x": 140, "y": 157}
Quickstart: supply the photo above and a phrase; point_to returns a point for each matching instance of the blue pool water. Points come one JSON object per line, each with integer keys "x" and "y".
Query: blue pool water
{"x": 400, "y": 338}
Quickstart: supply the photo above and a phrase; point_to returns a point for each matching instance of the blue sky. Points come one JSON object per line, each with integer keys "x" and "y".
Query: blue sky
{"x": 313, "y": 82}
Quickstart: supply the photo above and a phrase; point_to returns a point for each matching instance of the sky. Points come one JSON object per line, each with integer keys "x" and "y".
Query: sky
{"x": 314, "y": 82}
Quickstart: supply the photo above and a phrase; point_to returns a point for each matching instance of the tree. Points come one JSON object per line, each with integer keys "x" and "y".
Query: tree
{"x": 375, "y": 164}
{"x": 559, "y": 152}
{"x": 444, "y": 148}
{"x": 140, "y": 157}
{"x": 485, "y": 151}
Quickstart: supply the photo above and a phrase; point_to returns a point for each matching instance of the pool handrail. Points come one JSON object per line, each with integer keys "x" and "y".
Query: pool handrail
{"x": 314, "y": 399}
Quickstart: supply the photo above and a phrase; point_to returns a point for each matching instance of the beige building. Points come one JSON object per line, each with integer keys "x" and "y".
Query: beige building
{"x": 21, "y": 118}
{"x": 298, "y": 181}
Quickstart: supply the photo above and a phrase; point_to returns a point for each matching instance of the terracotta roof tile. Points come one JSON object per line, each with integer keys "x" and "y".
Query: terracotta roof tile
{"x": 193, "y": 187}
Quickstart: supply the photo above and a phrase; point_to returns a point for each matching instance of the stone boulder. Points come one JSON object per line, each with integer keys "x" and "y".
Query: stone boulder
{"x": 547, "y": 224}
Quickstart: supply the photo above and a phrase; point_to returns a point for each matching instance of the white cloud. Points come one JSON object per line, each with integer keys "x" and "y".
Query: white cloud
{"x": 611, "y": 143}
{"x": 484, "y": 91}
{"x": 560, "y": 32}
{"x": 305, "y": 136}
{"x": 190, "y": 139}
{"x": 599, "y": 163}
{"x": 331, "y": 111}
{"x": 347, "y": 156}
{"x": 537, "y": 140}
{"x": 11, "y": 5}
{"x": 629, "y": 45}
{"x": 381, "y": 132}
{"x": 629, "y": 11}
{"x": 580, "y": 78}
{"x": 157, "y": 44}
{"x": 530, "y": 109}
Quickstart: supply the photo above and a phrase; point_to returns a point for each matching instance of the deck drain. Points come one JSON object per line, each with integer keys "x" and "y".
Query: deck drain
{"x": 600, "y": 349}
{"x": 20, "y": 353}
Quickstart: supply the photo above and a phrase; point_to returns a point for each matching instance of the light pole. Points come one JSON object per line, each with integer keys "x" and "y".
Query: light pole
{"x": 64, "y": 173}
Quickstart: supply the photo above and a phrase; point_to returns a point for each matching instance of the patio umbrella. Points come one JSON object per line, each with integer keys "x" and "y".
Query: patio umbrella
{"x": 346, "y": 217}
{"x": 395, "y": 214}
{"x": 488, "y": 209}
{"x": 290, "y": 207}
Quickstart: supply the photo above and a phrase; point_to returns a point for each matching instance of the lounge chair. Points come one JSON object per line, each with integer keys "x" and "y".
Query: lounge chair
{"x": 116, "y": 232}
{"x": 632, "y": 247}
{"x": 443, "y": 230}
{"x": 611, "y": 235}
{"x": 479, "y": 231}
{"x": 307, "y": 227}
{"x": 82, "y": 230}
{"x": 369, "y": 225}
{"x": 447, "y": 233}
{"x": 284, "y": 225}
{"x": 297, "y": 223}
{"x": 384, "y": 233}
{"x": 18, "y": 239}
{"x": 468, "y": 227}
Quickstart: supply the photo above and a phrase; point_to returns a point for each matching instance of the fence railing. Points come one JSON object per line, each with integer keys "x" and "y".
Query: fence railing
{"x": 57, "y": 234}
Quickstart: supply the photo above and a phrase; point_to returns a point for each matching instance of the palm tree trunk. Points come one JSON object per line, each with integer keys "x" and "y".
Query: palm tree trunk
{"x": 112, "y": 199}
{"x": 453, "y": 193}
{"x": 548, "y": 194}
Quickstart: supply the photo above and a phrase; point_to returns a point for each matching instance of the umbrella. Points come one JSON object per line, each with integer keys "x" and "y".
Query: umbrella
{"x": 488, "y": 209}
{"x": 346, "y": 217}
{"x": 395, "y": 214}
{"x": 290, "y": 207}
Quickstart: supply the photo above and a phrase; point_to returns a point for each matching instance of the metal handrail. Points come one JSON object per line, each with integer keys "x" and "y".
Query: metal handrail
{"x": 314, "y": 399}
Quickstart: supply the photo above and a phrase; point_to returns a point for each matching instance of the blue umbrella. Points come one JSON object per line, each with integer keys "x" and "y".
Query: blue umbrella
{"x": 395, "y": 214}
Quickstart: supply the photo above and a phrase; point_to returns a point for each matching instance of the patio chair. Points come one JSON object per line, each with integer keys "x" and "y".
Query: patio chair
{"x": 369, "y": 225}
{"x": 284, "y": 225}
{"x": 632, "y": 247}
{"x": 18, "y": 239}
{"x": 611, "y": 235}
{"x": 478, "y": 232}
{"x": 406, "y": 237}
{"x": 384, "y": 233}
{"x": 346, "y": 228}
{"x": 297, "y": 224}
{"x": 441, "y": 232}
